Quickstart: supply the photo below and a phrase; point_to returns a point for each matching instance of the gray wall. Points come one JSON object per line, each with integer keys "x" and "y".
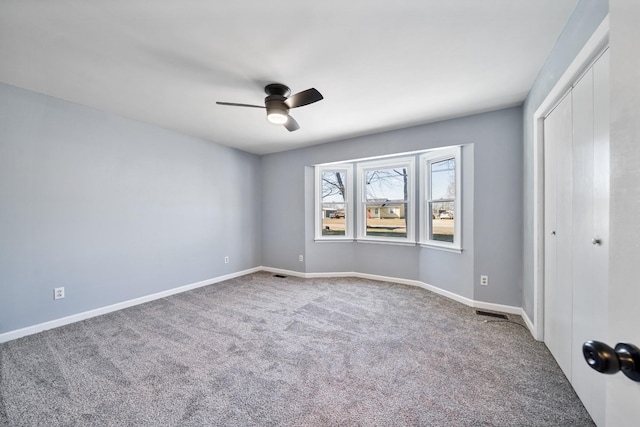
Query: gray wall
{"x": 113, "y": 209}
{"x": 492, "y": 209}
{"x": 583, "y": 22}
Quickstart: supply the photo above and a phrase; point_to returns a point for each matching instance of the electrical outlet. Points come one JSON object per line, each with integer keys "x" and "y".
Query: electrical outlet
{"x": 58, "y": 293}
{"x": 226, "y": 260}
{"x": 300, "y": 258}
{"x": 484, "y": 280}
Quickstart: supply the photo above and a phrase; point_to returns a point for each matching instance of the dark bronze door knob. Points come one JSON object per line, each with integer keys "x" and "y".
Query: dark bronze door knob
{"x": 625, "y": 357}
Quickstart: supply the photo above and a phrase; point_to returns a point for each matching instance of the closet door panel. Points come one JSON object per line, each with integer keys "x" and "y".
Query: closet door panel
{"x": 564, "y": 235}
{"x": 601, "y": 180}
{"x": 585, "y": 308}
{"x": 559, "y": 187}
{"x": 551, "y": 309}
{"x": 600, "y": 259}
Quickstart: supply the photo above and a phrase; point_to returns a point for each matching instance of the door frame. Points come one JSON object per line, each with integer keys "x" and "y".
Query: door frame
{"x": 592, "y": 49}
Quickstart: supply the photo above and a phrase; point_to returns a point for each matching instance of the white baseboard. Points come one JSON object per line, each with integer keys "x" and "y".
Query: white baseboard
{"x": 459, "y": 298}
{"x": 531, "y": 326}
{"x": 30, "y": 330}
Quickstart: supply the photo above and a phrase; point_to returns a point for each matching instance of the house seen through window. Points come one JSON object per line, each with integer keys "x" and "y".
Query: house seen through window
{"x": 384, "y": 199}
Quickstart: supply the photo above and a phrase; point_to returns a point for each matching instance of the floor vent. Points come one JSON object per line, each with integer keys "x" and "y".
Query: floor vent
{"x": 486, "y": 313}
{"x": 279, "y": 275}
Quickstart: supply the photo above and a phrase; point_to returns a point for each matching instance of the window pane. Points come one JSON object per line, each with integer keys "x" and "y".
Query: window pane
{"x": 333, "y": 203}
{"x": 443, "y": 179}
{"x": 333, "y": 219}
{"x": 333, "y": 186}
{"x": 387, "y": 220}
{"x": 442, "y": 221}
{"x": 386, "y": 184}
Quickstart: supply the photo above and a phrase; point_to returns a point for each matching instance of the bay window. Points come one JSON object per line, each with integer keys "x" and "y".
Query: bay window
{"x": 390, "y": 200}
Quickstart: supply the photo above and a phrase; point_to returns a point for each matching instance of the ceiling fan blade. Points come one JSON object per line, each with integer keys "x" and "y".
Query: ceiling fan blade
{"x": 291, "y": 124}
{"x": 305, "y": 97}
{"x": 235, "y": 104}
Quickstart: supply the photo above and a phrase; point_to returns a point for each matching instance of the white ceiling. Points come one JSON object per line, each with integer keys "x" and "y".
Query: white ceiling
{"x": 379, "y": 64}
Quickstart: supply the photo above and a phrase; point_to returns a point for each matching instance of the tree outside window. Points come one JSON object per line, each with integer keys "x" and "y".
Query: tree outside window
{"x": 333, "y": 198}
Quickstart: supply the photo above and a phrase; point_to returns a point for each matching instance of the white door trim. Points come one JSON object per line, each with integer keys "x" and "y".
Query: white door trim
{"x": 594, "y": 46}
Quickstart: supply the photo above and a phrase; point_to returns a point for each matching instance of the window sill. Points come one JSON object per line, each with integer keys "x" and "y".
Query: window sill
{"x": 446, "y": 248}
{"x": 440, "y": 247}
{"x": 386, "y": 242}
{"x": 334, "y": 240}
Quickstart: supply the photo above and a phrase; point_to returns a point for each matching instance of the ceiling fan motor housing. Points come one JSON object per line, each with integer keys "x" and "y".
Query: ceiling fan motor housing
{"x": 277, "y": 89}
{"x": 277, "y": 110}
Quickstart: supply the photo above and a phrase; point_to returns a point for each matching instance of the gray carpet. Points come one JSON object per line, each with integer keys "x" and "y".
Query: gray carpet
{"x": 260, "y": 350}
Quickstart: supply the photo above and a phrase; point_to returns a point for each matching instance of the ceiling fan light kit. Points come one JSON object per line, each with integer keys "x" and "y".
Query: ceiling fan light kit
{"x": 276, "y": 117}
{"x": 277, "y": 110}
{"x": 277, "y": 103}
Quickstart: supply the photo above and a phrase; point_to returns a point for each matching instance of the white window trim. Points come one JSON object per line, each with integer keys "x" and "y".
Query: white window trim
{"x": 348, "y": 202}
{"x": 426, "y": 160}
{"x": 362, "y": 168}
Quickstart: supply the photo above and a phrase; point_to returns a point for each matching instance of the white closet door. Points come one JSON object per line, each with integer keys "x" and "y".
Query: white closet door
{"x": 590, "y": 228}
{"x": 558, "y": 231}
{"x": 596, "y": 322}
{"x": 551, "y": 308}
{"x": 601, "y": 188}
{"x": 577, "y": 209}
{"x": 583, "y": 233}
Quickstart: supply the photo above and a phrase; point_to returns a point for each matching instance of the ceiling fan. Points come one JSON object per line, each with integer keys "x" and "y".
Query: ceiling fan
{"x": 278, "y": 102}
